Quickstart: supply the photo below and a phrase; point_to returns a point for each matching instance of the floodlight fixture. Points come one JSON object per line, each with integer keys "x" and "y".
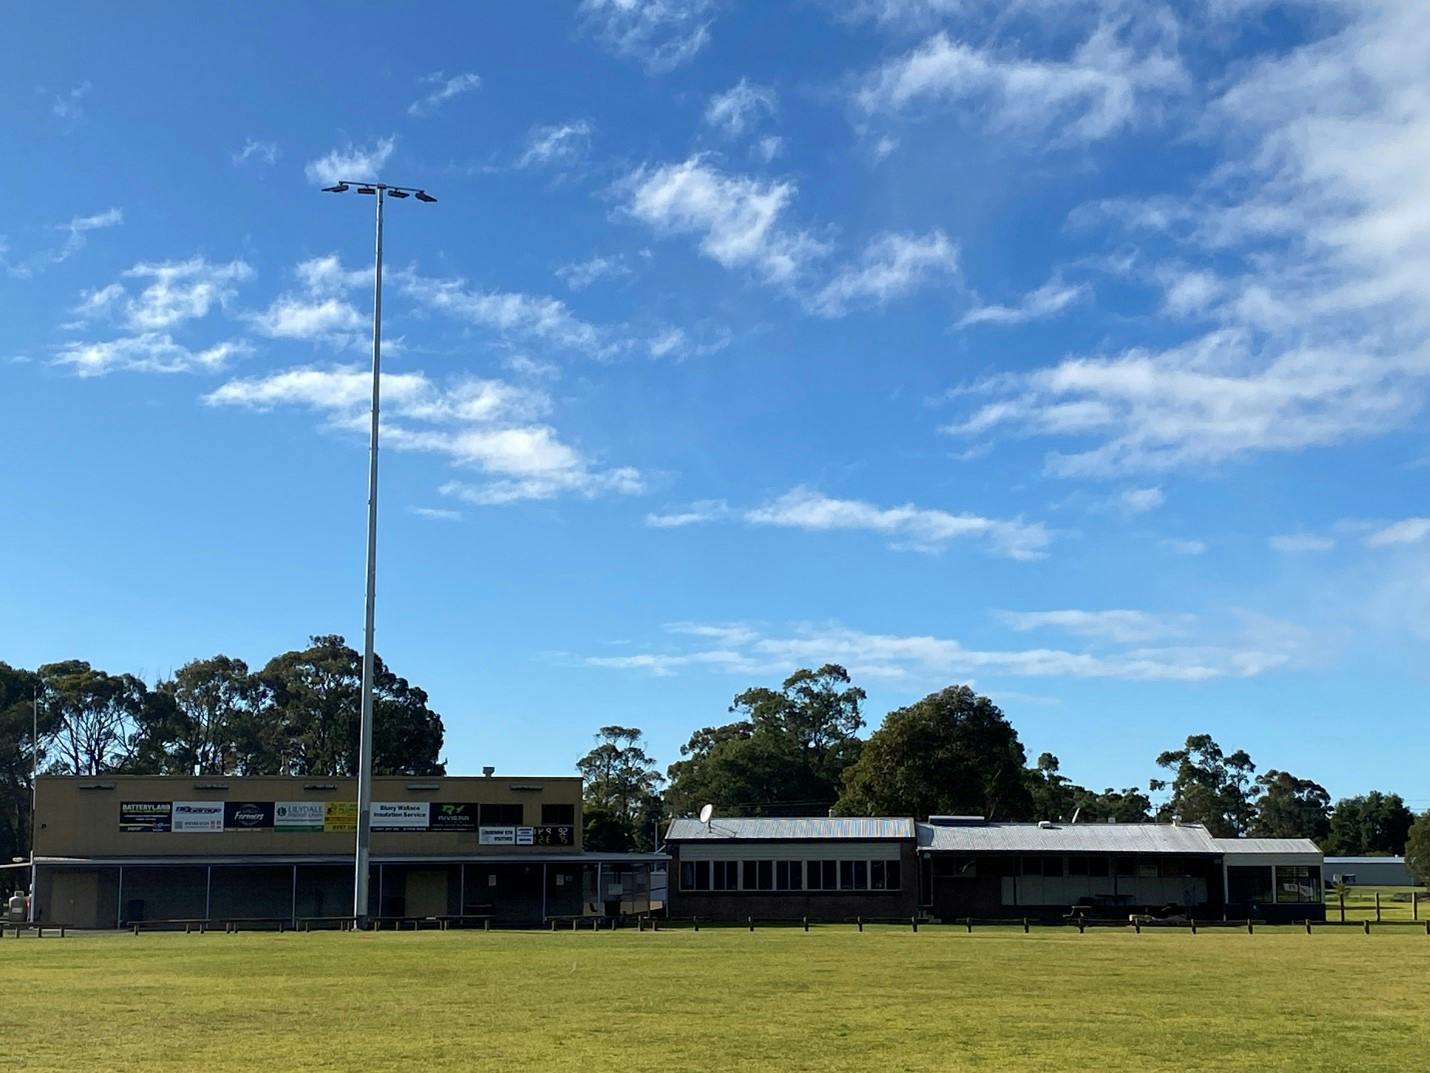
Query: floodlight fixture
{"x": 423, "y": 195}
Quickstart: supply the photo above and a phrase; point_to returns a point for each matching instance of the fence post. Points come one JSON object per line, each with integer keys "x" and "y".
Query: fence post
{"x": 1414, "y": 905}
{"x": 751, "y": 922}
{"x": 1025, "y": 925}
{"x": 968, "y": 922}
{"x": 1377, "y": 907}
{"x": 806, "y": 923}
{"x": 1367, "y": 926}
{"x": 696, "y": 922}
{"x": 860, "y": 922}
{"x": 1248, "y": 928}
{"x": 1308, "y": 925}
{"x": 655, "y": 924}
{"x": 914, "y": 922}
{"x": 1138, "y": 925}
{"x": 1342, "y": 892}
{"x": 1193, "y": 922}
{"x": 1081, "y": 924}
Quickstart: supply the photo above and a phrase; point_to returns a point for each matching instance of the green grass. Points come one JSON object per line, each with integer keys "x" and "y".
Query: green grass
{"x": 1360, "y": 903}
{"x": 833, "y": 999}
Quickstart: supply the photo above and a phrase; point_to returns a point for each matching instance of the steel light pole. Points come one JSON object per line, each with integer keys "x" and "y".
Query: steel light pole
{"x": 381, "y": 192}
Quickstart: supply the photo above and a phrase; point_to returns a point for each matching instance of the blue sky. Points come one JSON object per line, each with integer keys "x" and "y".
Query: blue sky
{"x": 1077, "y": 350}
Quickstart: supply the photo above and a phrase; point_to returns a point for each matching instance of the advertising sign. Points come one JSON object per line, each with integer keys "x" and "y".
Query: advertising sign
{"x": 453, "y": 816}
{"x": 247, "y": 815}
{"x": 556, "y": 834}
{"x": 496, "y": 836}
{"x": 399, "y": 815}
{"x": 198, "y": 817}
{"x": 144, "y": 815}
{"x": 298, "y": 815}
{"x": 340, "y": 816}
{"x": 526, "y": 836}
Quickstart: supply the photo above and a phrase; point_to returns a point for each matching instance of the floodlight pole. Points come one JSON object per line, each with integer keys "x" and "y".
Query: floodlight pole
{"x": 364, "y": 778}
{"x": 34, "y": 793}
{"x": 364, "y": 786}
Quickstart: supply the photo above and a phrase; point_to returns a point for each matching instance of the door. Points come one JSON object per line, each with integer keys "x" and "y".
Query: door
{"x": 74, "y": 899}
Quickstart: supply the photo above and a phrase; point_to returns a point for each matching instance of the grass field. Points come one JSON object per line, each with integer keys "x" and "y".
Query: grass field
{"x": 832, "y": 999}
{"x": 1360, "y": 903}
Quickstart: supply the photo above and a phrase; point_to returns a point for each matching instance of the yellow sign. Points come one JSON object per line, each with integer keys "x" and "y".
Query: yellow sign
{"x": 340, "y": 816}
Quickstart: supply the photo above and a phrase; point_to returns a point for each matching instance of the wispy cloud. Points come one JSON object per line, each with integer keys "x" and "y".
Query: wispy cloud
{"x": 321, "y": 310}
{"x": 926, "y": 661}
{"x": 892, "y": 265}
{"x": 148, "y": 352}
{"x": 1120, "y": 625}
{"x": 255, "y": 151}
{"x": 1300, "y": 543}
{"x": 487, "y": 426}
{"x": 443, "y": 90}
{"x": 1183, "y": 546}
{"x": 659, "y": 34}
{"x": 556, "y": 145}
{"x": 905, "y": 527}
{"x": 69, "y": 106}
{"x": 76, "y": 233}
{"x": 1091, "y": 95}
{"x": 1406, "y": 531}
{"x": 579, "y": 275}
{"x": 740, "y": 108}
{"x": 737, "y": 219}
{"x": 436, "y": 514}
{"x": 353, "y": 162}
{"x": 1140, "y": 500}
{"x": 1052, "y": 298}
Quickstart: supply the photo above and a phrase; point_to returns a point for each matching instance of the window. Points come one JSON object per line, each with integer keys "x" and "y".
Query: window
{"x": 846, "y": 875}
{"x": 1097, "y": 867}
{"x": 822, "y": 875}
{"x": 861, "y": 875}
{"x": 558, "y": 814}
{"x": 1247, "y": 885}
{"x": 789, "y": 875}
{"x": 876, "y": 875}
{"x": 1032, "y": 866}
{"x": 1296, "y": 883}
{"x": 694, "y": 875}
{"x": 891, "y": 875}
{"x": 501, "y": 815}
{"x": 1127, "y": 866}
{"x": 1077, "y": 866}
{"x": 1174, "y": 867}
{"x": 764, "y": 875}
{"x": 724, "y": 875}
{"x": 1052, "y": 866}
{"x": 749, "y": 869}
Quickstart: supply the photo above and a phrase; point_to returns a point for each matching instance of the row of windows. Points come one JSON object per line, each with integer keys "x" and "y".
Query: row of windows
{"x": 513, "y": 814}
{"x": 963, "y": 867}
{"x": 785, "y": 875}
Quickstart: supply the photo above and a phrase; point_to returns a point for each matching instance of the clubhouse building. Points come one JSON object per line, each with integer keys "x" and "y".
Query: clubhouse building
{"x": 956, "y": 867}
{"x": 117, "y": 850}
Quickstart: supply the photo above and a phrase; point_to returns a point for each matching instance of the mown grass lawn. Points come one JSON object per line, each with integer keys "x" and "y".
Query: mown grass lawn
{"x": 832, "y": 999}
{"x": 1395, "y": 903}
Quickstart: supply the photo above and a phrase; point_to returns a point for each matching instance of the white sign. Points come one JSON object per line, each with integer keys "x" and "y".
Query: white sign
{"x": 299, "y": 815}
{"x": 399, "y": 815}
{"x": 526, "y": 836}
{"x": 202, "y": 816}
{"x": 496, "y": 836}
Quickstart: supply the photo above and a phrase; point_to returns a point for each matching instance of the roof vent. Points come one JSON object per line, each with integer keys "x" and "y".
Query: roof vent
{"x": 957, "y": 821}
{"x": 1046, "y": 825}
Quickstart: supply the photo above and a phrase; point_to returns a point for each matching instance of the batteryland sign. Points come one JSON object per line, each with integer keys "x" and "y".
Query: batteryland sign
{"x": 248, "y": 815}
{"x": 198, "y": 817}
{"x": 145, "y": 815}
{"x": 399, "y": 815}
{"x": 299, "y": 815}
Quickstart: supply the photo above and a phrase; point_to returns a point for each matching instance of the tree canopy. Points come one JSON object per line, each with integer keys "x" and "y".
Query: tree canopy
{"x": 620, "y": 785}
{"x": 1369, "y": 825}
{"x": 953, "y": 752}
{"x": 786, "y": 754}
{"x": 1417, "y": 848}
{"x": 1209, "y": 787}
{"x": 1289, "y": 807}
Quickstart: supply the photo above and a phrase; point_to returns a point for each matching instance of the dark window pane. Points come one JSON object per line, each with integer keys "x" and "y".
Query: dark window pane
{"x": 749, "y": 881}
{"x": 702, "y": 875}
{"x": 876, "y": 875}
{"x": 846, "y": 875}
{"x": 558, "y": 813}
{"x": 766, "y": 874}
{"x": 831, "y": 874}
{"x": 796, "y": 875}
{"x": 1097, "y": 867}
{"x": 861, "y": 875}
{"x": 1126, "y": 866}
{"x": 1032, "y": 866}
{"x": 1052, "y": 866}
{"x": 687, "y": 875}
{"x": 891, "y": 874}
{"x": 508, "y": 815}
{"x": 1077, "y": 866}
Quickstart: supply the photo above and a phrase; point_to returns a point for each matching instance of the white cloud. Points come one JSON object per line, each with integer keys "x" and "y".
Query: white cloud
{"x": 515, "y": 314}
{"x": 292, "y": 317}
{"x": 325, "y": 275}
{"x": 351, "y": 162}
{"x": 1048, "y": 300}
{"x": 436, "y": 514}
{"x": 257, "y": 152}
{"x": 444, "y": 89}
{"x": 926, "y": 661}
{"x": 906, "y": 526}
{"x": 1093, "y": 94}
{"x": 736, "y": 218}
{"x": 698, "y": 513}
{"x": 1181, "y": 546}
{"x": 1140, "y": 500}
{"x": 581, "y": 274}
{"x": 660, "y": 34}
{"x": 70, "y": 104}
{"x": 180, "y": 290}
{"x": 1119, "y": 625}
{"x": 148, "y": 352}
{"x": 1406, "y": 531}
{"x": 483, "y": 425}
{"x": 1297, "y": 543}
{"x": 557, "y": 145}
{"x": 741, "y": 107}
{"x": 76, "y": 237}
{"x": 892, "y": 265}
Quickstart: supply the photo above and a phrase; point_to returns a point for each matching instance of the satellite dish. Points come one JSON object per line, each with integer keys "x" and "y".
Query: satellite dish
{"x": 706, "y": 811}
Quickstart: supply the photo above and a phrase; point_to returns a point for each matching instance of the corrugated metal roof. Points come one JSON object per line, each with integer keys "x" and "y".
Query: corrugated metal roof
{"x": 1266, "y": 845}
{"x": 1366, "y": 860}
{"x": 800, "y": 828}
{"x": 1067, "y": 838}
